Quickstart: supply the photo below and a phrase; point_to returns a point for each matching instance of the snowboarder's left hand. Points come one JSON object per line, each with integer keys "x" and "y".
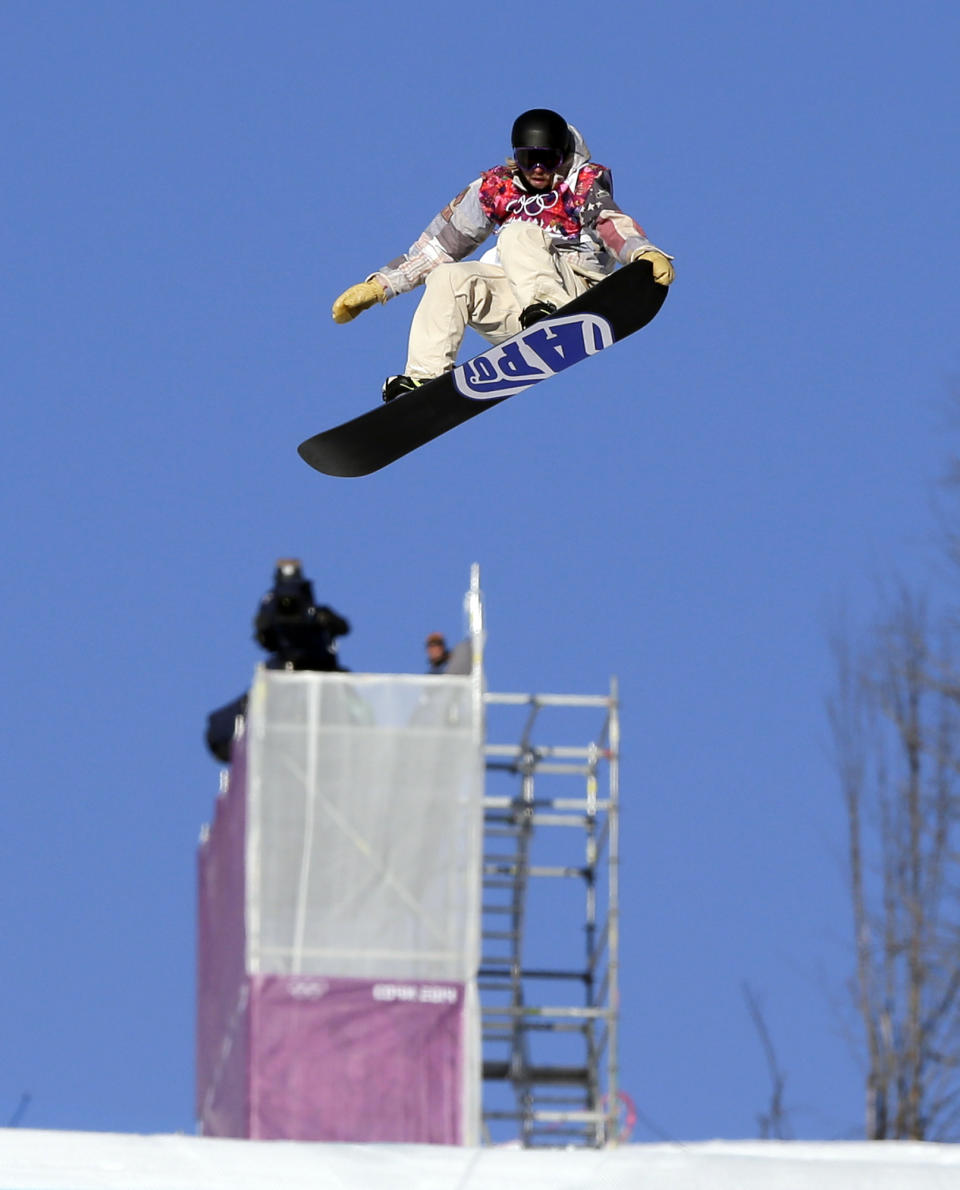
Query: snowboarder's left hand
{"x": 356, "y": 299}
{"x": 663, "y": 272}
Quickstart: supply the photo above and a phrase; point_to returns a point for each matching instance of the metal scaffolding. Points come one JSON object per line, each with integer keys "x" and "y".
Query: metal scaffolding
{"x": 549, "y": 994}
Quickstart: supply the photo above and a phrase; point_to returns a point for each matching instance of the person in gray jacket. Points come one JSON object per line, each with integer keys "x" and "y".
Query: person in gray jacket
{"x": 442, "y": 660}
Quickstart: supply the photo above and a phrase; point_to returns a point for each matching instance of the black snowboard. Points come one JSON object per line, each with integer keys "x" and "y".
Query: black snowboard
{"x": 619, "y": 305}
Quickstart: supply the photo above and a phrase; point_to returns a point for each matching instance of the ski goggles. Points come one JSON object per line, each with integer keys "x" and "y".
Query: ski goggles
{"x": 530, "y": 157}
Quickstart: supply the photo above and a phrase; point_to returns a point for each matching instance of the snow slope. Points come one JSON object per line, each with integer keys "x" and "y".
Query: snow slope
{"x": 37, "y": 1160}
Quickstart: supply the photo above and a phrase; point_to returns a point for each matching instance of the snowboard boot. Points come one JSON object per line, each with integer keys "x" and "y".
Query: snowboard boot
{"x": 535, "y": 312}
{"x": 396, "y": 386}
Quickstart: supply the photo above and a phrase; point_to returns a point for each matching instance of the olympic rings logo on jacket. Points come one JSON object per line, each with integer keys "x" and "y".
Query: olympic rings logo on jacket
{"x": 559, "y": 211}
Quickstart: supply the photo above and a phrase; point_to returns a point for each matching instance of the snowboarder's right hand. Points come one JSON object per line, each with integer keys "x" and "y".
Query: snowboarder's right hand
{"x": 357, "y": 299}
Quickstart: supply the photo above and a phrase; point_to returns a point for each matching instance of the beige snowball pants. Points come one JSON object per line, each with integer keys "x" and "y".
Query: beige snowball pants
{"x": 487, "y": 297}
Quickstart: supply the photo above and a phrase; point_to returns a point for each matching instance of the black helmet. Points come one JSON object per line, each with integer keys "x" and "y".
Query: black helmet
{"x": 541, "y": 128}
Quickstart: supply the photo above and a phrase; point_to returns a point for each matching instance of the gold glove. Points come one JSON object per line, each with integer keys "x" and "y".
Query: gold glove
{"x": 357, "y": 299}
{"x": 663, "y": 272}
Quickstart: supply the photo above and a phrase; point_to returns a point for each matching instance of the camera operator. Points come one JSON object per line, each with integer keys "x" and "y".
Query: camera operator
{"x": 296, "y": 632}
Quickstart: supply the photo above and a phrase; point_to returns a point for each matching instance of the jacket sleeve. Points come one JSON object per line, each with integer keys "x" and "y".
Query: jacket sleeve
{"x": 460, "y": 227}
{"x": 619, "y": 234}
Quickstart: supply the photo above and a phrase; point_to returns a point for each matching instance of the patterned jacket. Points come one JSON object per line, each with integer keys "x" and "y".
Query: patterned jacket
{"x": 579, "y": 213}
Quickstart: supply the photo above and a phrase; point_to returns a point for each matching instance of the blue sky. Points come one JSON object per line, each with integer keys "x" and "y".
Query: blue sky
{"x": 188, "y": 187}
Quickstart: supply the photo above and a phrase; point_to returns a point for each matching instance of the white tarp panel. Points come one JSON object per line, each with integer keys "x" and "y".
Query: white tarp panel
{"x": 363, "y": 862}
{"x": 364, "y": 827}
{"x": 34, "y": 1160}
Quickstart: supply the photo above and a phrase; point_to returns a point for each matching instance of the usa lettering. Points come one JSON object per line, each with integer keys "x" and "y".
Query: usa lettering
{"x": 544, "y": 350}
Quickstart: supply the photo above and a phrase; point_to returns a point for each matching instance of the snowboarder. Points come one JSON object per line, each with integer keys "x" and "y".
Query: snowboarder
{"x": 558, "y": 233}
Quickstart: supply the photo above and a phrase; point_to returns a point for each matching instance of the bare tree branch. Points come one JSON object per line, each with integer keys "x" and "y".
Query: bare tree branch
{"x": 895, "y": 723}
{"x": 773, "y": 1124}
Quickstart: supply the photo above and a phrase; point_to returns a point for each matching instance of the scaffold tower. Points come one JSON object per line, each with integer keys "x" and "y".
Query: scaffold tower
{"x": 549, "y": 953}
{"x": 408, "y": 913}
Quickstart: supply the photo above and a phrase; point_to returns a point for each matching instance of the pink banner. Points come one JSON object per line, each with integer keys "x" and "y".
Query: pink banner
{"x": 356, "y": 1060}
{"x": 222, "y": 985}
